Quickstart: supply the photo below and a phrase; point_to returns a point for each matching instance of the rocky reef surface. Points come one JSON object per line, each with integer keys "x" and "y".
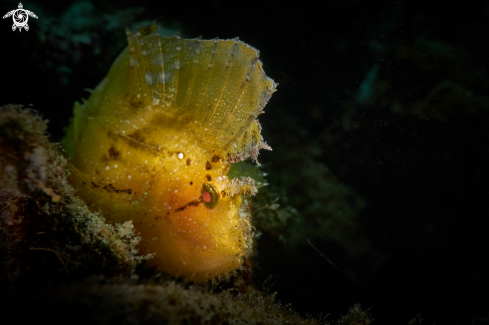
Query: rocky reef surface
{"x": 63, "y": 260}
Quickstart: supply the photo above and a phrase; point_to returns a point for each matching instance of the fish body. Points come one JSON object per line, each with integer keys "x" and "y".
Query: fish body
{"x": 155, "y": 140}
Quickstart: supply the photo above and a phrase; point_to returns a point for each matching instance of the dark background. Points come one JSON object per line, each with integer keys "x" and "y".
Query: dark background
{"x": 410, "y": 143}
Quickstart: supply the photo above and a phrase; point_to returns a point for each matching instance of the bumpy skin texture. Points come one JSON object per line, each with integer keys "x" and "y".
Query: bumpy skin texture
{"x": 156, "y": 138}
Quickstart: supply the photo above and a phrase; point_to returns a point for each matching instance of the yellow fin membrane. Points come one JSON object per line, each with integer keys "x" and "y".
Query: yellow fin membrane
{"x": 155, "y": 140}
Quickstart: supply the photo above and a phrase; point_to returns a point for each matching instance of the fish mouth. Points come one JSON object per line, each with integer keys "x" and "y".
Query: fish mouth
{"x": 229, "y": 262}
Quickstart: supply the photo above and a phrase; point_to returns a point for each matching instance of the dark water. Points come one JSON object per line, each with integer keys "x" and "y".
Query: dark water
{"x": 379, "y": 130}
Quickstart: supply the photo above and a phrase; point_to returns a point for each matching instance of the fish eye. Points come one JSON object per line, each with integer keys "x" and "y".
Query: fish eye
{"x": 210, "y": 196}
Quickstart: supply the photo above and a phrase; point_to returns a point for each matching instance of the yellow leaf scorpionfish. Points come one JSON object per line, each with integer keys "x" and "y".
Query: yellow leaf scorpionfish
{"x": 156, "y": 139}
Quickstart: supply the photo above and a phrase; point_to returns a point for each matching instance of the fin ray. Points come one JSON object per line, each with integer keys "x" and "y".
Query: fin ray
{"x": 214, "y": 89}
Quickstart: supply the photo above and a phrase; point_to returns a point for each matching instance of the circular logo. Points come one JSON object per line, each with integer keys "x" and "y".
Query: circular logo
{"x": 20, "y": 18}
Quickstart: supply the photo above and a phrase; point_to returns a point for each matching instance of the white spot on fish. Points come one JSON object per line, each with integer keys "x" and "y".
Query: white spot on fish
{"x": 161, "y": 77}
{"x": 149, "y": 78}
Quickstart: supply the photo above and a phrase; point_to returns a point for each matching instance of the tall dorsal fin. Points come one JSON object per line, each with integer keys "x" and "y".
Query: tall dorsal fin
{"x": 214, "y": 90}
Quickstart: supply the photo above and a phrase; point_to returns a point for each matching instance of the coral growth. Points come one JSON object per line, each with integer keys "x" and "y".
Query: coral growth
{"x": 48, "y": 235}
{"x": 156, "y": 304}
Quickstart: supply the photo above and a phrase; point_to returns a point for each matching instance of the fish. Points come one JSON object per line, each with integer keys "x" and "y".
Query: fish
{"x": 156, "y": 138}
